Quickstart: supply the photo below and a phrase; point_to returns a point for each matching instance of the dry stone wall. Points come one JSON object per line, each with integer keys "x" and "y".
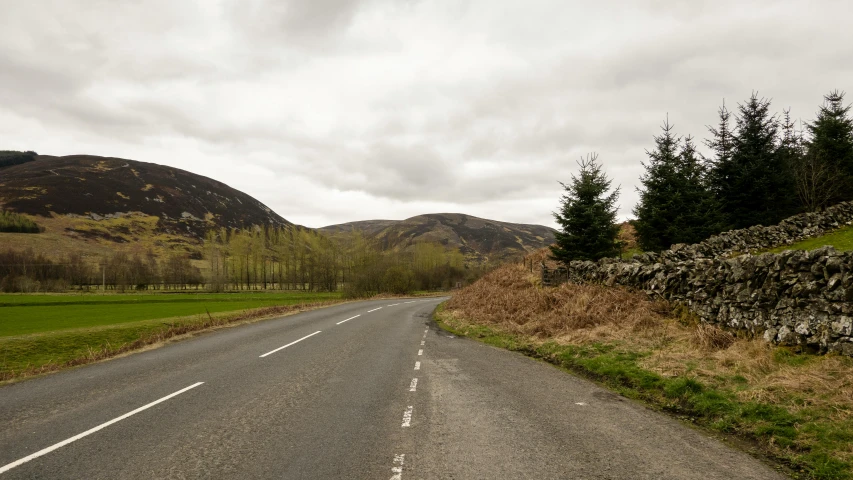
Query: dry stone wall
{"x": 790, "y": 298}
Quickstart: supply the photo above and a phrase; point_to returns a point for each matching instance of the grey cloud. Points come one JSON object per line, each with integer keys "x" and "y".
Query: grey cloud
{"x": 416, "y": 105}
{"x": 303, "y": 24}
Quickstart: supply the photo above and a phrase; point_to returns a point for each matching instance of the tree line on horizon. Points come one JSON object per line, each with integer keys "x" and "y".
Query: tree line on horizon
{"x": 252, "y": 259}
{"x": 763, "y": 168}
{"x": 302, "y": 259}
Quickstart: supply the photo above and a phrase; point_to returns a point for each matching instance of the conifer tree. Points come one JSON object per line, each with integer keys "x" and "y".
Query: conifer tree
{"x": 657, "y": 204}
{"x": 675, "y": 205}
{"x": 831, "y": 145}
{"x": 587, "y": 216}
{"x": 754, "y": 186}
{"x": 700, "y": 216}
{"x": 722, "y": 144}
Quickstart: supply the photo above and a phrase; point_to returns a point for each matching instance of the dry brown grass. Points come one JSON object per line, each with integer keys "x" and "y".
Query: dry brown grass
{"x": 711, "y": 338}
{"x": 511, "y": 299}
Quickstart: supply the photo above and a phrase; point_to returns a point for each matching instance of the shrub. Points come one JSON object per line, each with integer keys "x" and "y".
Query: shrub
{"x": 17, "y": 223}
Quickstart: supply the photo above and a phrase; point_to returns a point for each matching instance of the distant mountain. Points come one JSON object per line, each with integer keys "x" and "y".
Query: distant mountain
{"x": 90, "y": 204}
{"x": 477, "y": 238}
{"x": 99, "y": 188}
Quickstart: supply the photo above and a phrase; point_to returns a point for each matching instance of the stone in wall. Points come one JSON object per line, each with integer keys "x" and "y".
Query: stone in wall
{"x": 790, "y": 298}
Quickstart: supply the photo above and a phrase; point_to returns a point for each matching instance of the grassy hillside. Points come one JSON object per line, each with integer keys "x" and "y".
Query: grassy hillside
{"x": 11, "y": 222}
{"x": 841, "y": 239}
{"x": 796, "y": 408}
{"x": 480, "y": 240}
{"x": 99, "y": 188}
{"x": 62, "y": 234}
{"x": 96, "y": 206}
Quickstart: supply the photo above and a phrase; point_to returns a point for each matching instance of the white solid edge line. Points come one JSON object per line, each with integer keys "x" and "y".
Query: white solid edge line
{"x": 375, "y": 309}
{"x": 289, "y": 344}
{"x": 347, "y": 320}
{"x": 63, "y": 443}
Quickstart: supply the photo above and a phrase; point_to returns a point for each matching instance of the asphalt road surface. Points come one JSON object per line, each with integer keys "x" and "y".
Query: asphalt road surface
{"x": 365, "y": 390}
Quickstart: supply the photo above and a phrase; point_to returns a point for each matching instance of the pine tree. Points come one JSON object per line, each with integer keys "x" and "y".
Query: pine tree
{"x": 699, "y": 217}
{"x": 722, "y": 144}
{"x": 755, "y": 186}
{"x": 675, "y": 205}
{"x": 657, "y": 203}
{"x": 831, "y": 143}
{"x": 587, "y": 216}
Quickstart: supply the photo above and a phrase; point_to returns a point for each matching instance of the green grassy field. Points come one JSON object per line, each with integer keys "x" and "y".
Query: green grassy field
{"x": 28, "y": 314}
{"x": 841, "y": 239}
{"x": 44, "y": 332}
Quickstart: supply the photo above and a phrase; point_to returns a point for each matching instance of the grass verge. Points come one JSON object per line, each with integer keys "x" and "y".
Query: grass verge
{"x": 796, "y": 409}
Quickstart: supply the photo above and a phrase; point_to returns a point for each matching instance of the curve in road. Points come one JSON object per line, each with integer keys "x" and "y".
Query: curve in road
{"x": 360, "y": 390}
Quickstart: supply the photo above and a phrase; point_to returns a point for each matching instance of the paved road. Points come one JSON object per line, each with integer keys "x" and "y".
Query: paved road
{"x": 383, "y": 395}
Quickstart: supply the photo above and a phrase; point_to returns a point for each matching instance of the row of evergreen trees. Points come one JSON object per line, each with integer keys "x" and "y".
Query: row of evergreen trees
{"x": 762, "y": 169}
{"x": 10, "y": 158}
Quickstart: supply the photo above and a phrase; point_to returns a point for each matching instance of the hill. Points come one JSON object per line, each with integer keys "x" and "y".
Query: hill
{"x": 479, "y": 239}
{"x": 101, "y": 202}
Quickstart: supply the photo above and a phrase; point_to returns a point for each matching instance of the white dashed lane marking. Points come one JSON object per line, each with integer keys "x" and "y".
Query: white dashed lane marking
{"x": 375, "y": 309}
{"x": 407, "y": 417}
{"x": 420, "y": 352}
{"x": 289, "y": 344}
{"x": 414, "y": 385}
{"x": 417, "y": 365}
{"x": 397, "y": 469}
{"x": 63, "y": 443}
{"x": 423, "y": 342}
{"x": 347, "y": 320}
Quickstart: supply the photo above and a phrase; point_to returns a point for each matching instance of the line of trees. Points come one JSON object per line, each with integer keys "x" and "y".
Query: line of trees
{"x": 9, "y": 158}
{"x": 300, "y": 259}
{"x": 29, "y": 272}
{"x": 762, "y": 169}
{"x": 250, "y": 259}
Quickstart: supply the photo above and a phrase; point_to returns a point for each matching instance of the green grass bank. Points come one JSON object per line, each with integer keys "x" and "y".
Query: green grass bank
{"x": 43, "y": 333}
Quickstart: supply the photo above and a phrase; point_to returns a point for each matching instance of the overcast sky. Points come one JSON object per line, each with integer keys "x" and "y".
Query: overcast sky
{"x": 334, "y": 111}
